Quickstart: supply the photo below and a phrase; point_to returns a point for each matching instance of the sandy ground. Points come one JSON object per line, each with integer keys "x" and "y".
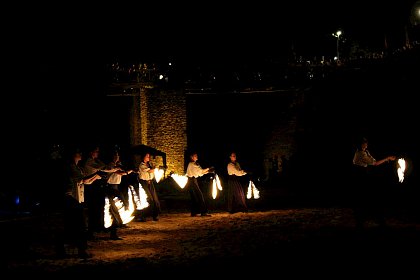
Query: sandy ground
{"x": 286, "y": 240}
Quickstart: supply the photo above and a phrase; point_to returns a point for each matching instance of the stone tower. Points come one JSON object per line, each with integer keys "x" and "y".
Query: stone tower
{"x": 159, "y": 120}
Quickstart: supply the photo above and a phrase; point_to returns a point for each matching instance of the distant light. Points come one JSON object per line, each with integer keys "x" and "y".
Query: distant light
{"x": 160, "y": 77}
{"x": 335, "y": 58}
{"x": 170, "y": 64}
{"x": 337, "y": 34}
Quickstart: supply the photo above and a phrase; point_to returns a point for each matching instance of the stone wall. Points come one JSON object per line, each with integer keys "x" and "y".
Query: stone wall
{"x": 160, "y": 121}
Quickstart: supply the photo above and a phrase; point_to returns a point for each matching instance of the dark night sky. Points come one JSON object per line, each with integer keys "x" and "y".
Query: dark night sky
{"x": 198, "y": 30}
{"x": 83, "y": 38}
{"x": 65, "y": 47}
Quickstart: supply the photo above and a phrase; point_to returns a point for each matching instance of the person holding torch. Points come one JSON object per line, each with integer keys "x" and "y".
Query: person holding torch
{"x": 146, "y": 176}
{"x": 194, "y": 170}
{"x": 366, "y": 190}
{"x": 236, "y": 197}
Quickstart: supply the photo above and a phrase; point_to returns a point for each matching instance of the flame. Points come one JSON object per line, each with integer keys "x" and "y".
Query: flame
{"x": 401, "y": 169}
{"x": 219, "y": 185}
{"x": 141, "y": 202}
{"x": 252, "y": 191}
{"x": 249, "y": 192}
{"x": 214, "y": 190}
{"x": 126, "y": 215}
{"x": 134, "y": 197}
{"x": 143, "y": 198}
{"x": 216, "y": 186}
{"x": 107, "y": 214}
{"x": 255, "y": 191}
{"x": 181, "y": 180}
{"x": 158, "y": 174}
{"x": 130, "y": 192}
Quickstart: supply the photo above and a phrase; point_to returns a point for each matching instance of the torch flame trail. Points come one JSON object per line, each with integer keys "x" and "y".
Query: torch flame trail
{"x": 181, "y": 180}
{"x": 141, "y": 202}
{"x": 134, "y": 197}
{"x": 107, "y": 214}
{"x": 401, "y": 169}
{"x": 125, "y": 215}
{"x": 216, "y": 186}
{"x": 158, "y": 174}
{"x": 142, "y": 198}
{"x": 252, "y": 191}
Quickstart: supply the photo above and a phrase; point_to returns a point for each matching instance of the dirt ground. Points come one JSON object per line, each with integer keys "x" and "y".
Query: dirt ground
{"x": 260, "y": 241}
